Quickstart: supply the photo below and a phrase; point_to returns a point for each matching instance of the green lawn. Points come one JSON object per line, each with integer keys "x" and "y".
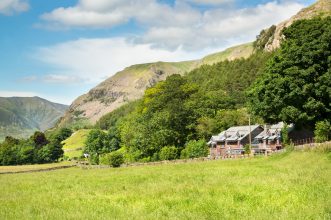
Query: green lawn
{"x": 293, "y": 185}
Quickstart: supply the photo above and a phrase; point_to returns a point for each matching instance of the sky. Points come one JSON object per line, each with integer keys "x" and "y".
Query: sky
{"x": 60, "y": 49}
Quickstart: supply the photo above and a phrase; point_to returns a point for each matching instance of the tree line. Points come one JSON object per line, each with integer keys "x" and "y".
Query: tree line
{"x": 36, "y": 149}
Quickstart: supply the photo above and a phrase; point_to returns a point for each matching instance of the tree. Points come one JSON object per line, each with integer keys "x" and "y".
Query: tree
{"x": 39, "y": 139}
{"x": 62, "y": 134}
{"x": 247, "y": 149}
{"x": 194, "y": 149}
{"x": 206, "y": 127}
{"x": 43, "y": 155}
{"x": 114, "y": 159}
{"x": 284, "y": 135}
{"x": 161, "y": 119}
{"x": 322, "y": 131}
{"x": 296, "y": 84}
{"x": 25, "y": 154}
{"x": 9, "y": 140}
{"x": 168, "y": 153}
{"x": 112, "y": 139}
{"x": 99, "y": 142}
{"x": 55, "y": 150}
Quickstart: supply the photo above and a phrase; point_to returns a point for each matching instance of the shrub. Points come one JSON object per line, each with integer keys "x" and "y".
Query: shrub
{"x": 94, "y": 159}
{"x": 247, "y": 149}
{"x": 289, "y": 147}
{"x": 284, "y": 135}
{"x": 195, "y": 149}
{"x": 322, "y": 131}
{"x": 114, "y": 159}
{"x": 168, "y": 153}
{"x": 145, "y": 160}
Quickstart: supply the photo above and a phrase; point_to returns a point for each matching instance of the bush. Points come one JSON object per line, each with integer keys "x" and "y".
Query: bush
{"x": 247, "y": 149}
{"x": 322, "y": 131}
{"x": 195, "y": 149}
{"x": 94, "y": 159}
{"x": 168, "y": 153}
{"x": 145, "y": 160}
{"x": 114, "y": 159}
{"x": 284, "y": 135}
{"x": 289, "y": 147}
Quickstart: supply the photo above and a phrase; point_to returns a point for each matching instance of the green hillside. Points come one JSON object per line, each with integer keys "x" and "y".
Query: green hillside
{"x": 21, "y": 116}
{"x": 293, "y": 185}
{"x": 73, "y": 145}
{"x": 232, "y": 53}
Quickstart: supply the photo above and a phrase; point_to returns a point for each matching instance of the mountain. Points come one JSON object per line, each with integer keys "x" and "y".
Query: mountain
{"x": 130, "y": 84}
{"x": 272, "y": 36}
{"x": 21, "y": 116}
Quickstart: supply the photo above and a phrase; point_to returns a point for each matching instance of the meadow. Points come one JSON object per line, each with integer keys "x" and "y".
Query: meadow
{"x": 292, "y": 185}
{"x": 33, "y": 167}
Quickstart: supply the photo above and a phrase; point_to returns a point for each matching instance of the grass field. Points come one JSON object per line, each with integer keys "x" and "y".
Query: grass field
{"x": 294, "y": 185}
{"x": 13, "y": 169}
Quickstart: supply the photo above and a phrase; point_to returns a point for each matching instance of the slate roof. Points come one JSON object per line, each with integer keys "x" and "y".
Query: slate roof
{"x": 272, "y": 132}
{"x": 233, "y": 134}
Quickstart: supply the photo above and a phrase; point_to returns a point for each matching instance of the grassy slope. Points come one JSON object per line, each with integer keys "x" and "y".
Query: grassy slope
{"x": 74, "y": 144}
{"x": 240, "y": 51}
{"x": 141, "y": 70}
{"x": 294, "y": 186}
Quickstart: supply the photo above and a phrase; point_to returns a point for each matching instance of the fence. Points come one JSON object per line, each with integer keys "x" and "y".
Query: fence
{"x": 311, "y": 145}
{"x": 178, "y": 161}
{"x": 304, "y": 141}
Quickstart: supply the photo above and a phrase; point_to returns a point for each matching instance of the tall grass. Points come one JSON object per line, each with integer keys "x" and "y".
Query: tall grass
{"x": 296, "y": 185}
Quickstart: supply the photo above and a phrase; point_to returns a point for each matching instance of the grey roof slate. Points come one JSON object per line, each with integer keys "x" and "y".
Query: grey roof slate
{"x": 232, "y": 134}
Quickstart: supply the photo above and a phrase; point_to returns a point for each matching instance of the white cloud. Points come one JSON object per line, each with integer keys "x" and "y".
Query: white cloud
{"x": 56, "y": 78}
{"x": 9, "y": 7}
{"x": 104, "y": 13}
{"x": 209, "y": 2}
{"x": 5, "y": 93}
{"x": 53, "y": 78}
{"x": 220, "y": 27}
{"x": 92, "y": 60}
{"x": 247, "y": 21}
{"x": 179, "y": 26}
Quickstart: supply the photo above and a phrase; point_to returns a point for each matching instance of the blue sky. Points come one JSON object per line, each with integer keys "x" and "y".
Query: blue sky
{"x": 60, "y": 49}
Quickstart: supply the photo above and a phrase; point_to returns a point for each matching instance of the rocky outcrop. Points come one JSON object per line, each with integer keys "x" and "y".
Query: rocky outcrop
{"x": 321, "y": 8}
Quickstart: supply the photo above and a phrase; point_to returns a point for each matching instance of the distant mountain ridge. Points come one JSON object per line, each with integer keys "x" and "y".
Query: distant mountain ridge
{"x": 21, "y": 116}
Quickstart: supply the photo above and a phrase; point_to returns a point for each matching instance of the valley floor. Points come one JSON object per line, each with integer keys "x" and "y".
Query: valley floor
{"x": 294, "y": 185}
